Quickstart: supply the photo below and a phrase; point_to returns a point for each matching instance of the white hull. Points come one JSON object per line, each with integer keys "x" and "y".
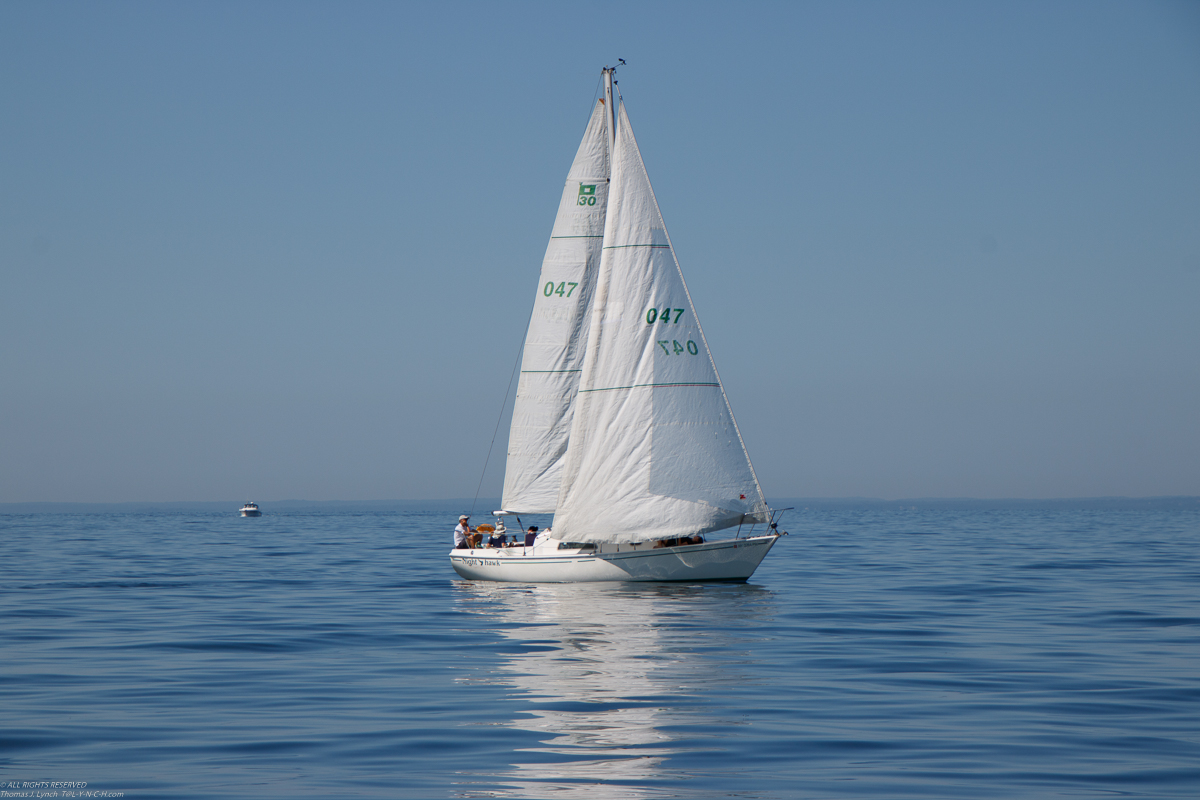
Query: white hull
{"x": 251, "y": 512}
{"x": 728, "y": 560}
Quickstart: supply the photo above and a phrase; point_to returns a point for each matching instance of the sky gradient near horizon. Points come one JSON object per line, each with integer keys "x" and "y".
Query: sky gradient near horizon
{"x": 276, "y": 251}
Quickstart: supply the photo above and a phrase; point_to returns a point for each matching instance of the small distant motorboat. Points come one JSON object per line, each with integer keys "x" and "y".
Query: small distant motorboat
{"x": 251, "y": 510}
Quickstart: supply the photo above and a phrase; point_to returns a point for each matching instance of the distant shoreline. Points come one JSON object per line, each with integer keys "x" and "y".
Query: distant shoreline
{"x": 485, "y": 505}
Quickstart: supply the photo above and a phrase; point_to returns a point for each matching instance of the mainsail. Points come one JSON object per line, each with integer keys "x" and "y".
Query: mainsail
{"x": 654, "y": 450}
{"x": 552, "y": 360}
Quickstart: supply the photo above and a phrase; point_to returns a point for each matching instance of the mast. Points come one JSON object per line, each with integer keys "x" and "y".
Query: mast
{"x": 610, "y": 108}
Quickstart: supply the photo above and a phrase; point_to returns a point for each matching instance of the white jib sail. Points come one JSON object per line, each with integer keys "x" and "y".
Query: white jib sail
{"x": 554, "y": 346}
{"x": 654, "y": 450}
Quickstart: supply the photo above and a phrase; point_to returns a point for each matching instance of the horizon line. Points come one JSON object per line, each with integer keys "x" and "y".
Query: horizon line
{"x": 461, "y": 500}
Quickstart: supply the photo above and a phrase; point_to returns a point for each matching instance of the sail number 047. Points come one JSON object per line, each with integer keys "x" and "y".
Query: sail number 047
{"x": 563, "y": 289}
{"x": 672, "y": 347}
{"x": 663, "y": 316}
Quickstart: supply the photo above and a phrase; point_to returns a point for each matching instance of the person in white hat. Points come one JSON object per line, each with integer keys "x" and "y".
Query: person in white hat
{"x": 462, "y": 534}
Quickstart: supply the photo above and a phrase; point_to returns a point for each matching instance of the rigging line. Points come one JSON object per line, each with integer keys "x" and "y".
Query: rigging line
{"x": 500, "y": 418}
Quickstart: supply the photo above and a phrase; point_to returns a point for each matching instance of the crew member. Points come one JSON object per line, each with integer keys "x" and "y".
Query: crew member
{"x": 462, "y": 534}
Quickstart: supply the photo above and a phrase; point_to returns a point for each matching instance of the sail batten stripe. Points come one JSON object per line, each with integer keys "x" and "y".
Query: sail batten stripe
{"x": 644, "y": 385}
{"x": 621, "y": 246}
{"x": 546, "y": 371}
{"x": 578, "y": 237}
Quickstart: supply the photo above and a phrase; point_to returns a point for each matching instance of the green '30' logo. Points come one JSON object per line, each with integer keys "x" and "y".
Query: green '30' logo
{"x": 587, "y": 194}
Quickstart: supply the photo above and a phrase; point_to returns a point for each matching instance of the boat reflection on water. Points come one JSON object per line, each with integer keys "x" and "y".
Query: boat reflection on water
{"x": 616, "y": 677}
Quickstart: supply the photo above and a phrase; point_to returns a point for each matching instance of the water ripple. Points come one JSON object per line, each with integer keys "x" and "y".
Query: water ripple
{"x": 913, "y": 654}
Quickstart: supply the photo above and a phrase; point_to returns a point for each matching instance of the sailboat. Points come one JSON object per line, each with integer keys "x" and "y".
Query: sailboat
{"x": 621, "y": 427}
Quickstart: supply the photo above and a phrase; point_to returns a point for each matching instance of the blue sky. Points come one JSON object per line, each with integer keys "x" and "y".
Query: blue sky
{"x": 288, "y": 250}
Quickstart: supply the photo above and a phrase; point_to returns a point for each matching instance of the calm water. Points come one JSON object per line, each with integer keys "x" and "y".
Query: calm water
{"x": 880, "y": 654}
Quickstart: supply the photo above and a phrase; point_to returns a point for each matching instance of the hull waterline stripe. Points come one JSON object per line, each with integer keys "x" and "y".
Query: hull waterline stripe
{"x": 643, "y": 385}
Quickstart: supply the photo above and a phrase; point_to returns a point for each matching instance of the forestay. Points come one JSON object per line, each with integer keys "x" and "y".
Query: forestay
{"x": 654, "y": 450}
{"x": 554, "y": 346}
